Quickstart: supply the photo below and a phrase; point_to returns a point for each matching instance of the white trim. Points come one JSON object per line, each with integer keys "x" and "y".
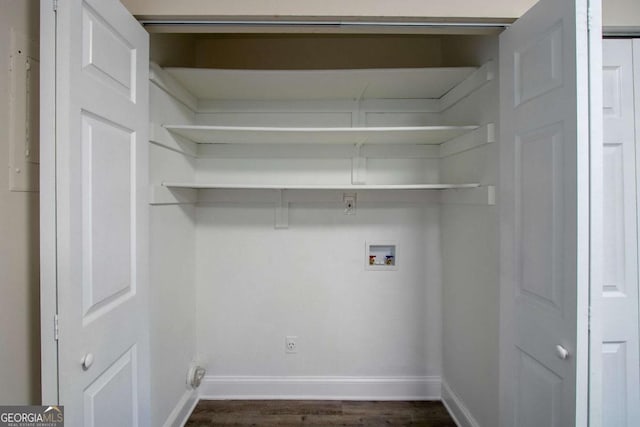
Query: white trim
{"x": 320, "y": 387}
{"x": 498, "y": 25}
{"x": 594, "y": 383}
{"x": 589, "y": 157}
{"x": 458, "y": 411}
{"x": 182, "y": 411}
{"x": 48, "y": 265}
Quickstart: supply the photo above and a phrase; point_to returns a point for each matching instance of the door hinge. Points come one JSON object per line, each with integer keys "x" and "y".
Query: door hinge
{"x": 589, "y": 318}
{"x": 56, "y": 327}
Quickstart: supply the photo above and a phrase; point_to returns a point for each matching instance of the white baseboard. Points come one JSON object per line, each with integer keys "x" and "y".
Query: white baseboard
{"x": 322, "y": 388}
{"x": 180, "y": 414}
{"x": 458, "y": 411}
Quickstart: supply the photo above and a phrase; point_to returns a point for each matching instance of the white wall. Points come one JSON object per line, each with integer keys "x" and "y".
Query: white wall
{"x": 19, "y": 259}
{"x": 257, "y": 285}
{"x": 299, "y": 51}
{"x": 470, "y": 255}
{"x": 314, "y": 51}
{"x": 172, "y": 265}
{"x": 621, "y": 13}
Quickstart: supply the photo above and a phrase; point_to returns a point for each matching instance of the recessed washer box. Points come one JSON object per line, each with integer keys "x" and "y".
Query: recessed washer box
{"x": 380, "y": 256}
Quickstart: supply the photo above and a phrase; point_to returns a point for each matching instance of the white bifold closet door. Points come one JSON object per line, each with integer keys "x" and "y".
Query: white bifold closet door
{"x": 620, "y": 361}
{"x": 101, "y": 208}
{"x": 545, "y": 141}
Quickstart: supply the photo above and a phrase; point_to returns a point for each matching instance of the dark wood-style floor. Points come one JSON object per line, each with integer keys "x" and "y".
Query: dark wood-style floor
{"x": 318, "y": 413}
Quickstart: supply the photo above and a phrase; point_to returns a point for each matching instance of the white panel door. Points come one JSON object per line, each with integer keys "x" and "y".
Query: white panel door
{"x": 544, "y": 166}
{"x": 620, "y": 361}
{"x": 101, "y": 208}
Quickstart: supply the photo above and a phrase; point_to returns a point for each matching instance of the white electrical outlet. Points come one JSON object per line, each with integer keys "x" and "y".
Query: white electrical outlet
{"x": 349, "y": 201}
{"x": 291, "y": 344}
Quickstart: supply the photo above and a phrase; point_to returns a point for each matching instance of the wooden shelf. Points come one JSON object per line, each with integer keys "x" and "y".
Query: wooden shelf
{"x": 406, "y": 83}
{"x": 197, "y": 186}
{"x": 282, "y": 135}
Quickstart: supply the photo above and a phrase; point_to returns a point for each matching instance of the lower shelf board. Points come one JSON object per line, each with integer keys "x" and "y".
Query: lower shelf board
{"x": 347, "y": 187}
{"x": 170, "y": 193}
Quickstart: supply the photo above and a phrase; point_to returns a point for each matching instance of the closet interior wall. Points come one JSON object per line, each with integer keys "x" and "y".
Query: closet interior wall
{"x": 470, "y": 251}
{"x": 172, "y": 292}
{"x": 235, "y": 285}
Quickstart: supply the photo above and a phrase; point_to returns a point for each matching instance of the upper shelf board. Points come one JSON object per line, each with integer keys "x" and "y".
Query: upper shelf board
{"x": 212, "y": 186}
{"x": 395, "y": 83}
{"x": 273, "y": 135}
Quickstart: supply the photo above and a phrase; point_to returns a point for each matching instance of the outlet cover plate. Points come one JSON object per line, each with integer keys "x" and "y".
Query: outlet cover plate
{"x": 291, "y": 344}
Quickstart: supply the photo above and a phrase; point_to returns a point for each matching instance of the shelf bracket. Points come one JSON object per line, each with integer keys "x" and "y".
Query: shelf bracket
{"x": 358, "y": 166}
{"x": 161, "y": 195}
{"x": 475, "y": 81}
{"x": 281, "y": 211}
{"x": 484, "y": 195}
{"x": 483, "y": 135}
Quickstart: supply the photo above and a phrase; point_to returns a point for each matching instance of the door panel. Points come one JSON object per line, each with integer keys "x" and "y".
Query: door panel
{"x": 106, "y": 54}
{"x": 537, "y": 384}
{"x": 109, "y": 218}
{"x": 539, "y": 213}
{"x": 614, "y": 393}
{"x": 614, "y": 216}
{"x": 538, "y": 65}
{"x": 619, "y": 292}
{"x": 101, "y": 208}
{"x": 544, "y": 168}
{"x": 112, "y": 398}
